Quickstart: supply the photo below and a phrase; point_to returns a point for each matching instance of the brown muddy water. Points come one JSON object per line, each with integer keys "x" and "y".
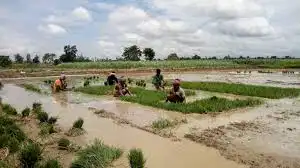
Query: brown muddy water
{"x": 276, "y": 133}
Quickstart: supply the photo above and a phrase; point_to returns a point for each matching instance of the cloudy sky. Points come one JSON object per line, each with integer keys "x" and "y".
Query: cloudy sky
{"x": 102, "y": 28}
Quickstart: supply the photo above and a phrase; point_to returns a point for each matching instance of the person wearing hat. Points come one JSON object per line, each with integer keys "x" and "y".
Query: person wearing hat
{"x": 111, "y": 79}
{"x": 121, "y": 88}
{"x": 177, "y": 94}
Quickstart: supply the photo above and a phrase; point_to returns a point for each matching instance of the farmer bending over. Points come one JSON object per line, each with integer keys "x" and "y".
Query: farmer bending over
{"x": 158, "y": 80}
{"x": 60, "y": 84}
{"x": 111, "y": 79}
{"x": 121, "y": 88}
{"x": 177, "y": 94}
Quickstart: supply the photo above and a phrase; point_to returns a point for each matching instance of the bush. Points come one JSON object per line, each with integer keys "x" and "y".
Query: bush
{"x": 10, "y": 142}
{"x": 78, "y": 123}
{"x": 8, "y": 109}
{"x": 52, "y": 164}
{"x": 26, "y": 112}
{"x": 30, "y": 155}
{"x": 136, "y": 158}
{"x": 52, "y": 120}
{"x": 42, "y": 116}
{"x": 63, "y": 143}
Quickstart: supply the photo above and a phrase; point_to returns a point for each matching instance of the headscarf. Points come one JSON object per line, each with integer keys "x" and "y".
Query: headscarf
{"x": 176, "y": 82}
{"x": 62, "y": 76}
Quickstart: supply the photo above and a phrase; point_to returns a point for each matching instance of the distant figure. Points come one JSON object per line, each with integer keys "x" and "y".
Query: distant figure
{"x": 60, "y": 84}
{"x": 177, "y": 94}
{"x": 111, "y": 79}
{"x": 158, "y": 80}
{"x": 121, "y": 88}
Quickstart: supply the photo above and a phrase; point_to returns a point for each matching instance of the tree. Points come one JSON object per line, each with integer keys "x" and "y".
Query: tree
{"x": 56, "y": 62}
{"x": 196, "y": 57}
{"x": 173, "y": 56}
{"x": 132, "y": 53}
{"x": 81, "y": 58}
{"x": 70, "y": 54}
{"x": 19, "y": 59}
{"x": 36, "y": 59}
{"x": 28, "y": 58}
{"x": 48, "y": 58}
{"x": 5, "y": 61}
{"x": 149, "y": 54}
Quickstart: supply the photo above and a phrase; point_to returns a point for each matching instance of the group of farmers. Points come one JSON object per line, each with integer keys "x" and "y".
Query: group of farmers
{"x": 176, "y": 94}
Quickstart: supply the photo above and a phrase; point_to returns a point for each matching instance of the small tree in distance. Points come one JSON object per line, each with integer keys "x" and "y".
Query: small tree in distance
{"x": 36, "y": 59}
{"x": 132, "y": 53}
{"x": 149, "y": 54}
{"x": 173, "y": 56}
{"x": 19, "y": 59}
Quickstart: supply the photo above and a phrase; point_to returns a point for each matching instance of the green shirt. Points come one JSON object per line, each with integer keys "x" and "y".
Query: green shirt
{"x": 157, "y": 79}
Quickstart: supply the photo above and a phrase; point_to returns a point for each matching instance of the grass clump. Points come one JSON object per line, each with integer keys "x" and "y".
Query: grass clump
{"x": 96, "y": 90}
{"x": 47, "y": 129}
{"x": 162, "y": 124}
{"x": 10, "y": 142}
{"x": 3, "y": 164}
{"x": 30, "y": 155}
{"x": 96, "y": 155}
{"x": 26, "y": 112}
{"x": 243, "y": 89}
{"x": 31, "y": 87}
{"x": 136, "y": 158}
{"x": 36, "y": 107}
{"x": 42, "y": 116}
{"x": 51, "y": 163}
{"x": 78, "y": 123}
{"x": 8, "y": 109}
{"x": 63, "y": 144}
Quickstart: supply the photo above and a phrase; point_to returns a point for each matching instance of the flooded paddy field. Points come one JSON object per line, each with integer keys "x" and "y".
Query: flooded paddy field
{"x": 266, "y": 135}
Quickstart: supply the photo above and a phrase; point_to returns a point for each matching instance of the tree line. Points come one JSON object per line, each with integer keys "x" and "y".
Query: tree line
{"x": 132, "y": 53}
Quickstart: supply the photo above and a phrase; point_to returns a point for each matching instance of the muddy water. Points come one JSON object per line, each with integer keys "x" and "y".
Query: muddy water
{"x": 160, "y": 152}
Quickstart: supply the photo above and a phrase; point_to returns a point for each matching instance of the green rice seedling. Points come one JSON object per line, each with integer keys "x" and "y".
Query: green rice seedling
{"x": 8, "y": 109}
{"x": 30, "y": 155}
{"x": 78, "y": 123}
{"x": 96, "y": 90}
{"x": 31, "y": 87}
{"x": 162, "y": 124}
{"x": 86, "y": 83}
{"x": 243, "y": 89}
{"x": 51, "y": 163}
{"x": 36, "y": 107}
{"x": 10, "y": 142}
{"x": 136, "y": 158}
{"x": 8, "y": 127}
{"x": 63, "y": 144}
{"x": 26, "y": 112}
{"x": 102, "y": 156}
{"x": 47, "y": 129}
{"x": 52, "y": 120}
{"x": 42, "y": 116}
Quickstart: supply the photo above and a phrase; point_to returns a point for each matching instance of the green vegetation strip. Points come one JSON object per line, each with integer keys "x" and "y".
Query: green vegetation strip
{"x": 96, "y": 155}
{"x": 156, "y": 99}
{"x": 31, "y": 87}
{"x": 243, "y": 89}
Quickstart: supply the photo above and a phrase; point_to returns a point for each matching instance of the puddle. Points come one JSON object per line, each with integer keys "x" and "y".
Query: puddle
{"x": 160, "y": 152}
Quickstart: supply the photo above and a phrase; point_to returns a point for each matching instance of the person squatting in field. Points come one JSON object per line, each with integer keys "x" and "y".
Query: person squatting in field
{"x": 60, "y": 84}
{"x": 121, "y": 88}
{"x": 111, "y": 79}
{"x": 177, "y": 94}
{"x": 158, "y": 80}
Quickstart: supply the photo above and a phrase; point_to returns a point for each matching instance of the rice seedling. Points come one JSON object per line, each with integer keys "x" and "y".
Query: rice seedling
{"x": 30, "y": 155}
{"x": 86, "y": 83}
{"x": 26, "y": 112}
{"x": 162, "y": 124}
{"x": 136, "y": 158}
{"x": 78, "y": 123}
{"x": 42, "y": 116}
{"x": 63, "y": 144}
{"x": 96, "y": 90}
{"x": 52, "y": 120}
{"x": 141, "y": 83}
{"x": 8, "y": 109}
{"x": 36, "y": 107}
{"x": 243, "y": 89}
{"x": 31, "y": 87}
{"x": 51, "y": 163}
{"x": 46, "y": 129}
{"x": 96, "y": 155}
{"x": 8, "y": 127}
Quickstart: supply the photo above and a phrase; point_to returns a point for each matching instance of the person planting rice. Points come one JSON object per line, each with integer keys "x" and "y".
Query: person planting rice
{"x": 60, "y": 84}
{"x": 121, "y": 88}
{"x": 158, "y": 80}
{"x": 177, "y": 94}
{"x": 111, "y": 79}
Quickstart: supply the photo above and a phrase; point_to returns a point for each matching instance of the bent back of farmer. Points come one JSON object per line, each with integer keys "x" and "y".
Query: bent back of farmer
{"x": 121, "y": 88}
{"x": 59, "y": 84}
{"x": 111, "y": 79}
{"x": 158, "y": 79}
{"x": 177, "y": 94}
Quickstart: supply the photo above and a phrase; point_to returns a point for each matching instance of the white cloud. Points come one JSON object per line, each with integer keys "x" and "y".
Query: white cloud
{"x": 52, "y": 29}
{"x": 105, "y": 44}
{"x": 81, "y": 13}
{"x": 127, "y": 14}
{"x": 105, "y": 6}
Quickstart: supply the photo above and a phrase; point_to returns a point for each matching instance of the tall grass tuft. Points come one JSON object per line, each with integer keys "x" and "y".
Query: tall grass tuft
{"x": 30, "y": 155}
{"x": 26, "y": 112}
{"x": 136, "y": 158}
{"x": 8, "y": 127}
{"x": 36, "y": 107}
{"x": 78, "y": 123}
{"x": 10, "y": 142}
{"x": 42, "y": 116}
{"x": 52, "y": 163}
{"x": 96, "y": 155}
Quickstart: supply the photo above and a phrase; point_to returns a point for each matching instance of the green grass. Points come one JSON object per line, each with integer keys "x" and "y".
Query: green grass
{"x": 51, "y": 163}
{"x": 156, "y": 99}
{"x": 30, "y": 155}
{"x": 243, "y": 89}
{"x": 3, "y": 164}
{"x": 78, "y": 123}
{"x": 8, "y": 109}
{"x": 26, "y": 112}
{"x": 162, "y": 124}
{"x": 31, "y": 87}
{"x": 46, "y": 129}
{"x": 42, "y": 116}
{"x": 96, "y": 90}
{"x": 136, "y": 158}
{"x": 63, "y": 144}
{"x": 96, "y": 155}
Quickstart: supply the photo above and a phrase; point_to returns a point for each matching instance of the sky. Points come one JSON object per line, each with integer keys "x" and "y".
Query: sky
{"x": 102, "y": 28}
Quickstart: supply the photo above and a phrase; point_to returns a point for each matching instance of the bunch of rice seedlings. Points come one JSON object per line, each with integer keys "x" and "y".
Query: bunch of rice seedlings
{"x": 96, "y": 90}
{"x": 52, "y": 120}
{"x": 162, "y": 124}
{"x": 10, "y": 142}
{"x": 96, "y": 155}
{"x": 31, "y": 87}
{"x": 8, "y": 109}
{"x": 141, "y": 83}
{"x": 78, "y": 123}
{"x": 30, "y": 155}
{"x": 86, "y": 83}
{"x": 51, "y": 163}
{"x": 130, "y": 80}
{"x": 42, "y": 116}
{"x": 47, "y": 129}
{"x": 26, "y": 112}
{"x": 36, "y": 107}
{"x": 63, "y": 144}
{"x": 136, "y": 158}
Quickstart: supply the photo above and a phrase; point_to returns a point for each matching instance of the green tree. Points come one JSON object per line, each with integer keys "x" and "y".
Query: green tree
{"x": 5, "y": 61}
{"x": 173, "y": 56}
{"x": 28, "y": 58}
{"x": 70, "y": 54}
{"x": 132, "y": 53}
{"x": 48, "y": 58}
{"x": 36, "y": 59}
{"x": 18, "y": 58}
{"x": 149, "y": 54}
{"x": 196, "y": 57}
